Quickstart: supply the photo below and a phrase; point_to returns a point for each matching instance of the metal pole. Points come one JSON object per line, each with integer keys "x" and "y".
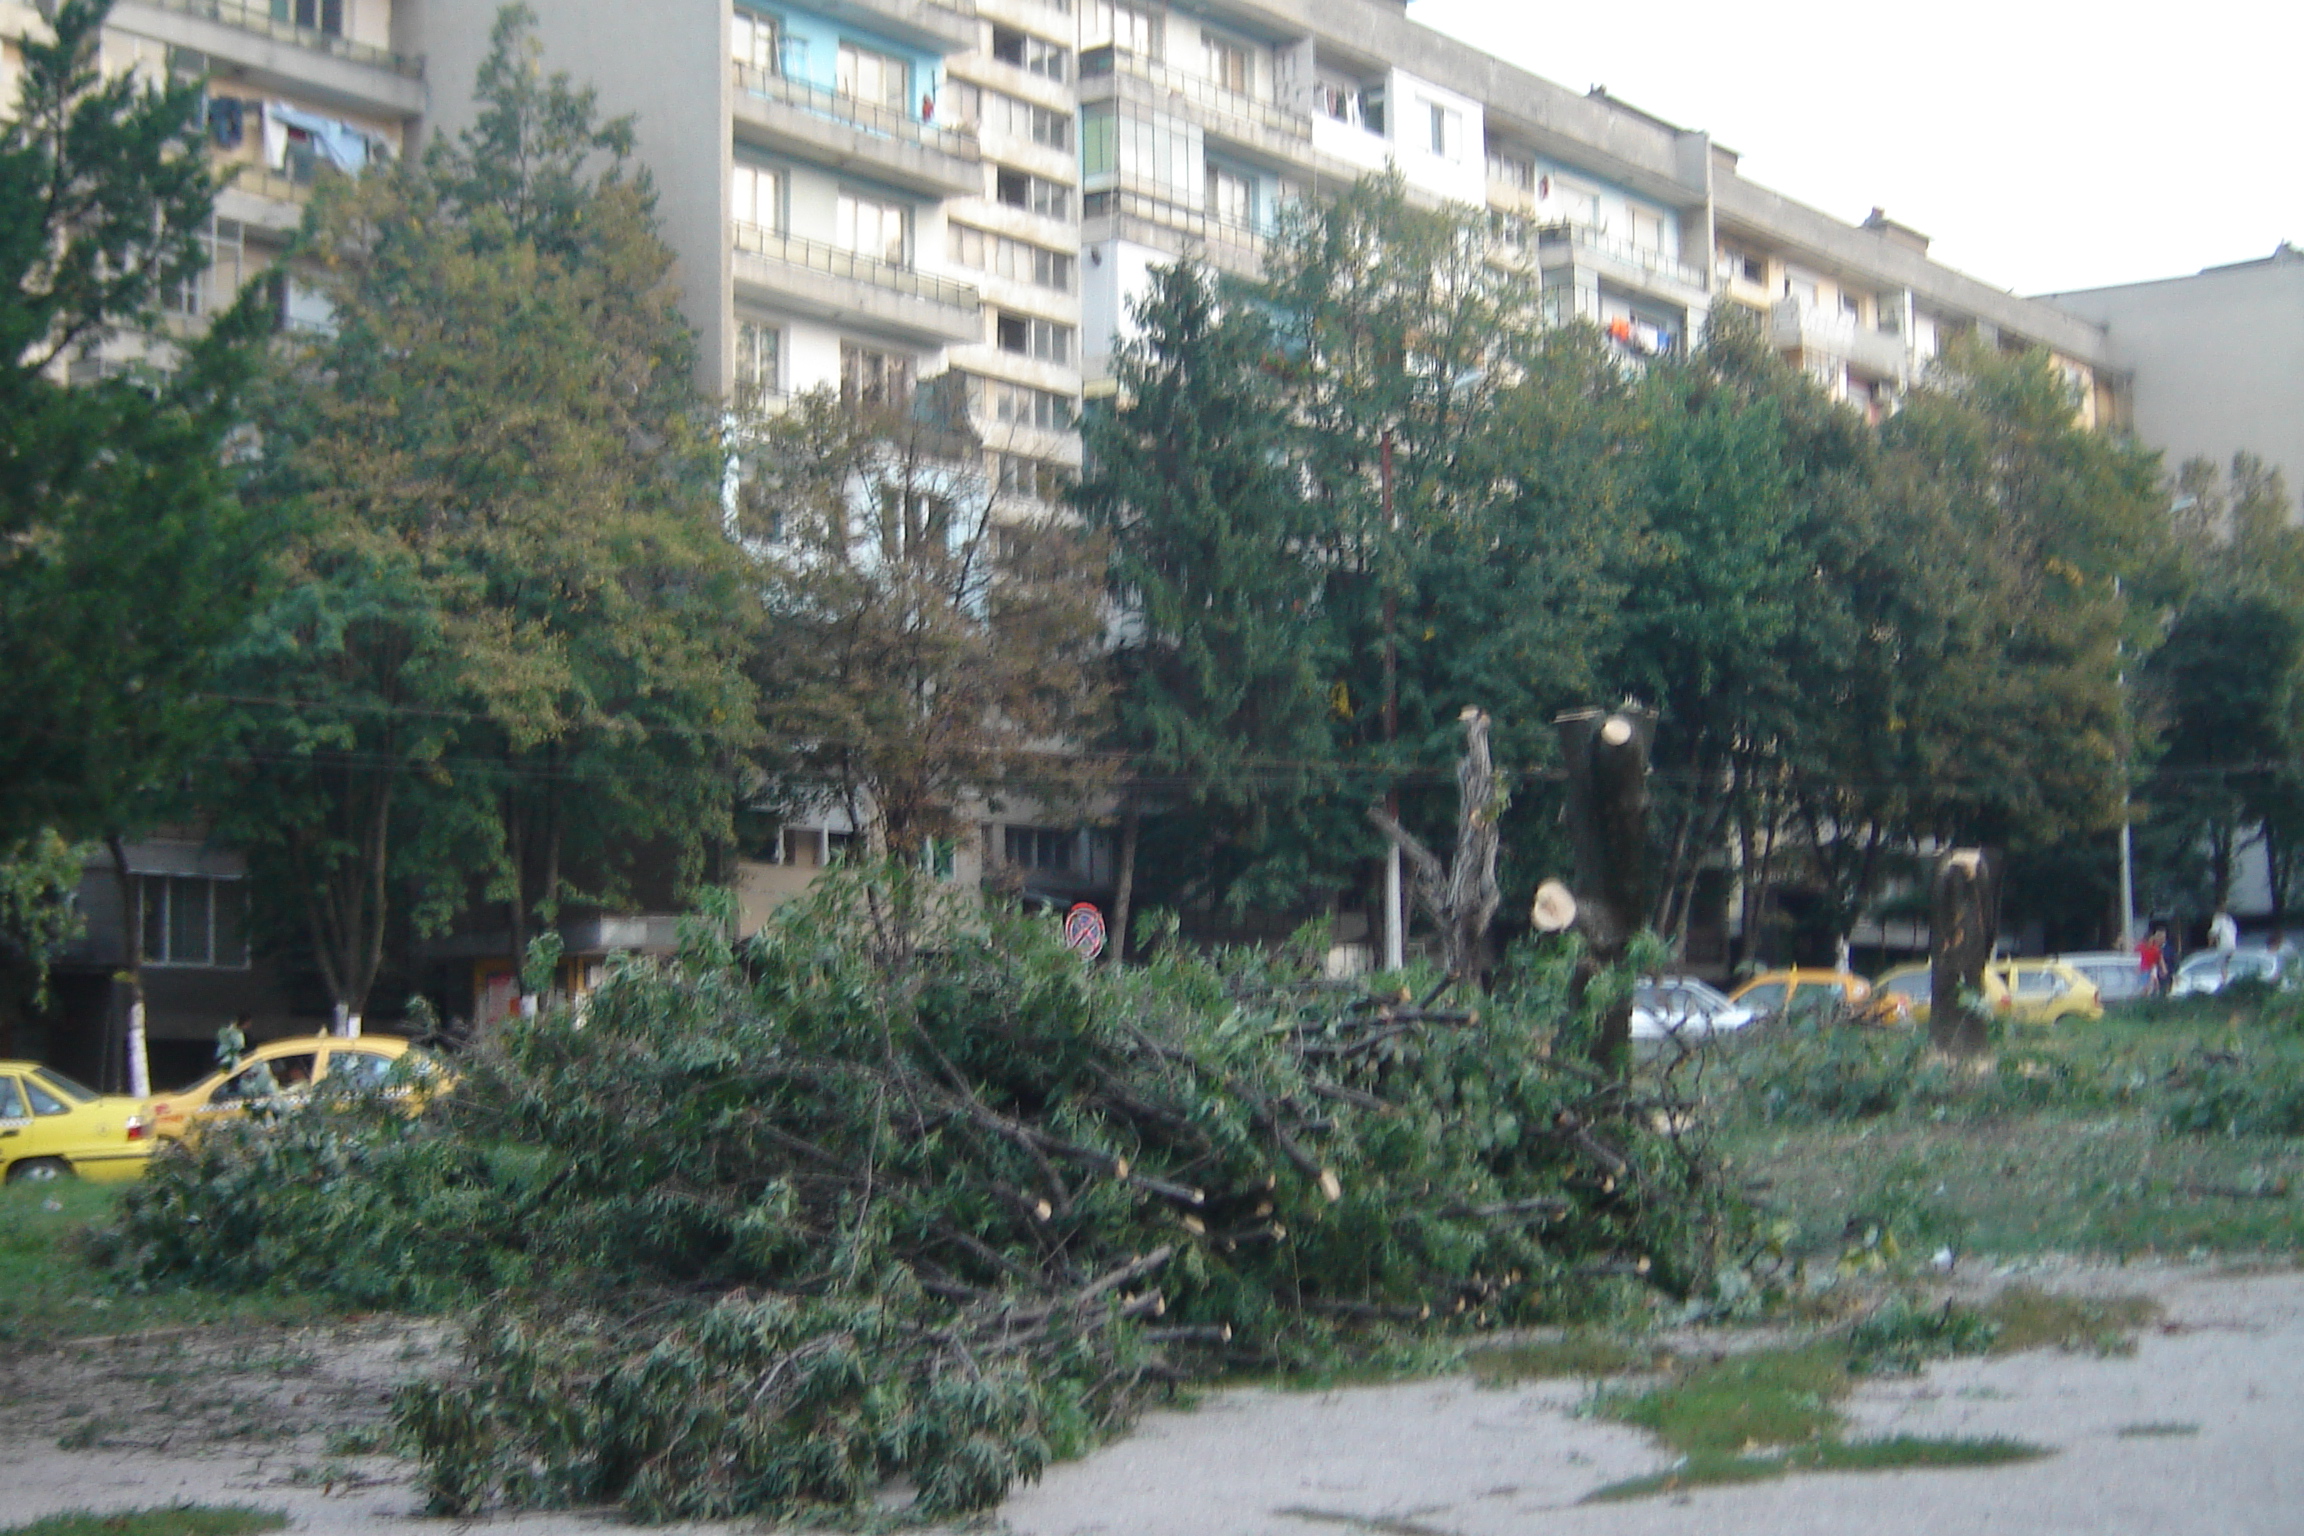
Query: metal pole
{"x": 2127, "y": 878}
{"x": 1395, "y": 914}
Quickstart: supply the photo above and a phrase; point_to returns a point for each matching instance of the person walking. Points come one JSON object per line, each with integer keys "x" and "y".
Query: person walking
{"x": 2152, "y": 961}
{"x": 2223, "y": 933}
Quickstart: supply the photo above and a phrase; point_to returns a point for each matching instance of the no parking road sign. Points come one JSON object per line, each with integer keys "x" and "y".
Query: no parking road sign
{"x": 1084, "y": 929}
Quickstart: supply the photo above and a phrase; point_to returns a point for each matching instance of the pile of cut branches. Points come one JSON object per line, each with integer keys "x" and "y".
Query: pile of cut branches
{"x": 781, "y": 1223}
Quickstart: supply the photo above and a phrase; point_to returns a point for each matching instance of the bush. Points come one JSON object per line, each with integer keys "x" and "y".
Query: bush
{"x": 2234, "y": 1093}
{"x": 776, "y": 1223}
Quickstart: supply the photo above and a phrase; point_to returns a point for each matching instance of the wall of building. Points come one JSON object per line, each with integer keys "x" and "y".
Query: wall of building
{"x": 2218, "y": 359}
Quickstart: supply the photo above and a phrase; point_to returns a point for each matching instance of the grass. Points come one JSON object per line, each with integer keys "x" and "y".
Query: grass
{"x": 174, "y": 1520}
{"x": 2034, "y": 1319}
{"x": 49, "y": 1292}
{"x": 1901, "y": 1453}
{"x": 2157, "y": 1430}
{"x": 2066, "y": 1147}
{"x": 1581, "y": 1354}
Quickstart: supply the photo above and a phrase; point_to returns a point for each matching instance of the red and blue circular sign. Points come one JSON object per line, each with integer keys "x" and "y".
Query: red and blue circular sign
{"x": 1084, "y": 930}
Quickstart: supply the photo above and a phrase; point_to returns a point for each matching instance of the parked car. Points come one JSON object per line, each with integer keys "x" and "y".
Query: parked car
{"x": 277, "y": 1074}
{"x": 1683, "y": 1008}
{"x": 2211, "y": 970}
{"x": 1803, "y": 990}
{"x": 2025, "y": 991}
{"x": 2041, "y": 991}
{"x": 52, "y": 1128}
{"x": 2117, "y": 976}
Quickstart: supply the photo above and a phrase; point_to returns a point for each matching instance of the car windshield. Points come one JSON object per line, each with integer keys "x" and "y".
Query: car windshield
{"x": 1915, "y": 985}
{"x": 2242, "y": 962}
{"x": 1767, "y": 995}
{"x": 2037, "y": 983}
{"x": 58, "y": 1083}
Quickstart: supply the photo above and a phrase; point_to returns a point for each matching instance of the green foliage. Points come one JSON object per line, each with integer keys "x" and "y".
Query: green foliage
{"x": 124, "y": 560}
{"x": 924, "y": 641}
{"x": 169, "y": 1520}
{"x": 1906, "y": 1334}
{"x": 792, "y": 1217}
{"x": 501, "y": 662}
{"x": 38, "y": 916}
{"x": 2235, "y": 1092}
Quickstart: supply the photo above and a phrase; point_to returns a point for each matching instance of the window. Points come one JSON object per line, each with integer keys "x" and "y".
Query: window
{"x": 759, "y": 364}
{"x": 982, "y": 251}
{"x": 1002, "y": 113}
{"x": 1851, "y": 305}
{"x": 1647, "y": 230}
{"x": 1020, "y": 405}
{"x": 1035, "y": 55}
{"x": 44, "y": 1102}
{"x": 358, "y": 1071}
{"x": 871, "y": 227}
{"x": 224, "y": 242}
{"x": 266, "y": 1079}
{"x": 1512, "y": 171}
{"x": 756, "y": 196}
{"x": 1129, "y": 28}
{"x": 869, "y": 376}
{"x": 320, "y": 15}
{"x": 187, "y": 920}
{"x": 12, "y": 1101}
{"x": 1033, "y": 337}
{"x": 881, "y": 78}
{"x": 1099, "y": 140}
{"x": 1049, "y": 849}
{"x": 1446, "y": 128}
{"x": 1231, "y": 196}
{"x": 1034, "y": 194}
{"x": 1229, "y": 64}
{"x": 1032, "y": 479}
{"x": 752, "y": 40}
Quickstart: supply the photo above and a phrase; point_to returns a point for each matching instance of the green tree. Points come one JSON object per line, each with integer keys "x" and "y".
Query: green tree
{"x": 928, "y": 642}
{"x": 1225, "y": 662}
{"x": 125, "y": 561}
{"x": 502, "y": 666}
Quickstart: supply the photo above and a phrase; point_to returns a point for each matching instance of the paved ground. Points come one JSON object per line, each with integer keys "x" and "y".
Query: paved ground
{"x": 2195, "y": 1433}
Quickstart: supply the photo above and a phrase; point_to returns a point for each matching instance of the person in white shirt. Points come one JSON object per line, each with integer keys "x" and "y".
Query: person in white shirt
{"x": 2223, "y": 933}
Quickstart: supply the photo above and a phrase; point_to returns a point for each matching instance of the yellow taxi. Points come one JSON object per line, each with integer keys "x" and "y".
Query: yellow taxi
{"x": 276, "y": 1075}
{"x": 53, "y": 1128}
{"x": 1805, "y": 990}
{"x": 2021, "y": 991}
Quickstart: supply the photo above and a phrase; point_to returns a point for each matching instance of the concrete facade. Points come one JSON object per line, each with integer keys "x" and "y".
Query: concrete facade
{"x": 2218, "y": 359}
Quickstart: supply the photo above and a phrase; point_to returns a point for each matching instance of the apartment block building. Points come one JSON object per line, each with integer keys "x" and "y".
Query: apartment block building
{"x": 866, "y": 194}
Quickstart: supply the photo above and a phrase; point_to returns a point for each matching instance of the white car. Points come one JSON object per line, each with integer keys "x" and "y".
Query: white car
{"x": 1683, "y": 1008}
{"x": 2210, "y": 971}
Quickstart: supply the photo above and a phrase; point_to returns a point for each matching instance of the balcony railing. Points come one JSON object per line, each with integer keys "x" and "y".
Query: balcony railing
{"x": 257, "y": 181}
{"x": 1794, "y": 324}
{"x": 816, "y": 256}
{"x": 256, "y": 16}
{"x": 1245, "y": 240}
{"x": 866, "y": 116}
{"x": 1208, "y": 96}
{"x": 1531, "y": 232}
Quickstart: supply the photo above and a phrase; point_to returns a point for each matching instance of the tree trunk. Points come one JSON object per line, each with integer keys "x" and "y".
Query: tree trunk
{"x": 1961, "y": 933}
{"x": 1607, "y": 760}
{"x": 1124, "y": 881}
{"x": 131, "y": 973}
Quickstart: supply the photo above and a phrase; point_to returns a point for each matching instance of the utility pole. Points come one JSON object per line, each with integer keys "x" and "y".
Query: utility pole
{"x": 1395, "y": 911}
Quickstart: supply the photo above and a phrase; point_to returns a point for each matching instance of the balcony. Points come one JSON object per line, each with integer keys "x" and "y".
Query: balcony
{"x": 320, "y": 67}
{"x": 940, "y": 26}
{"x": 843, "y": 285}
{"x": 256, "y": 16}
{"x": 1619, "y": 261}
{"x": 1245, "y": 120}
{"x": 882, "y": 143}
{"x": 1178, "y": 229}
{"x": 1818, "y": 332}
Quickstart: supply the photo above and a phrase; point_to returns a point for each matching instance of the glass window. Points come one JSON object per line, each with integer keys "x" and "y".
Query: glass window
{"x": 1130, "y": 28}
{"x": 759, "y": 364}
{"x": 872, "y": 227}
{"x": 188, "y": 933}
{"x": 357, "y": 1070}
{"x": 1043, "y": 848}
{"x": 1765, "y": 998}
{"x": 1034, "y": 194}
{"x": 869, "y": 376}
{"x": 188, "y": 920}
{"x": 753, "y": 42}
{"x": 1037, "y": 55}
{"x": 1033, "y": 337}
{"x": 44, "y": 1103}
{"x": 320, "y": 15}
{"x": 1513, "y": 171}
{"x": 1447, "y": 131}
{"x": 12, "y": 1101}
{"x": 1018, "y": 260}
{"x": 1231, "y": 196}
{"x": 756, "y": 196}
{"x": 1229, "y": 64}
{"x": 71, "y": 1088}
{"x": 881, "y": 78}
{"x": 1099, "y": 140}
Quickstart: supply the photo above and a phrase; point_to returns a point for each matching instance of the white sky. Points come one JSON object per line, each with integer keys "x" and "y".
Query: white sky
{"x": 2044, "y": 144}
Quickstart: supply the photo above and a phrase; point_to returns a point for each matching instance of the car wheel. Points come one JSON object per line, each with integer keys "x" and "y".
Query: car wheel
{"x": 39, "y": 1170}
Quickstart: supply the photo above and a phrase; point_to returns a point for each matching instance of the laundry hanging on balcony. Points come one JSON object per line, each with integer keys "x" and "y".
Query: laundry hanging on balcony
{"x": 347, "y": 148}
